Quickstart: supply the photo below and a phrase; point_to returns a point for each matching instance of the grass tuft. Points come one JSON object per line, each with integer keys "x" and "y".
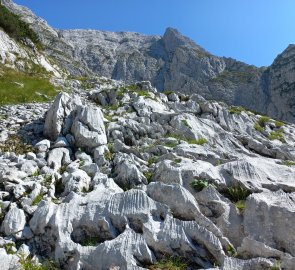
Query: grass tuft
{"x": 236, "y": 110}
{"x": 170, "y": 263}
{"x": 277, "y": 135}
{"x": 28, "y": 263}
{"x": 199, "y": 184}
{"x": 38, "y": 199}
{"x": 237, "y": 193}
{"x": 263, "y": 120}
{"x": 288, "y": 163}
{"x": 199, "y": 141}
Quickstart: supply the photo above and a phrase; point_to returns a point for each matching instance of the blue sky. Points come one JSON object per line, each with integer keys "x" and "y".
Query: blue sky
{"x": 252, "y": 31}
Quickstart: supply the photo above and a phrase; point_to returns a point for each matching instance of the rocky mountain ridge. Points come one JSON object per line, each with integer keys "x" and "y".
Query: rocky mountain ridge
{"x": 171, "y": 62}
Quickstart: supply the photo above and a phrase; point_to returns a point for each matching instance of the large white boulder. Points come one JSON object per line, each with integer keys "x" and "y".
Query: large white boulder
{"x": 59, "y": 117}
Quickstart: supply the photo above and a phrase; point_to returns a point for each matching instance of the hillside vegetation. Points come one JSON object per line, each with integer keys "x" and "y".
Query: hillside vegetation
{"x": 17, "y": 87}
{"x": 16, "y": 28}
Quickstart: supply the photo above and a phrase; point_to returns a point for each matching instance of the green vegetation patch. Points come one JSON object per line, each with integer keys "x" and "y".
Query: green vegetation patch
{"x": 258, "y": 127}
{"x": 230, "y": 250}
{"x": 38, "y": 199}
{"x": 237, "y": 193}
{"x": 91, "y": 241}
{"x": 236, "y": 110}
{"x": 135, "y": 89}
{"x": 17, "y": 28}
{"x": 28, "y": 263}
{"x": 170, "y": 263}
{"x": 279, "y": 124}
{"x": 17, "y": 87}
{"x": 149, "y": 176}
{"x": 263, "y": 120}
{"x": 288, "y": 163}
{"x": 9, "y": 248}
{"x": 16, "y": 144}
{"x": 199, "y": 141}
{"x": 277, "y": 135}
{"x": 199, "y": 184}
{"x": 168, "y": 92}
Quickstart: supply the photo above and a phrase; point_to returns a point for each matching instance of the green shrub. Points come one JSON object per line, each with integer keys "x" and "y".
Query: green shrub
{"x": 236, "y": 110}
{"x": 258, "y": 127}
{"x": 29, "y": 264}
{"x": 36, "y": 173}
{"x": 108, "y": 155}
{"x": 186, "y": 123}
{"x": 263, "y": 120}
{"x": 170, "y": 263}
{"x": 276, "y": 265}
{"x": 177, "y": 160}
{"x": 171, "y": 144}
{"x": 149, "y": 176}
{"x": 277, "y": 135}
{"x": 279, "y": 124}
{"x": 230, "y": 250}
{"x": 91, "y": 241}
{"x": 241, "y": 205}
{"x": 135, "y": 89}
{"x": 152, "y": 160}
{"x": 199, "y": 184}
{"x": 16, "y": 28}
{"x": 38, "y": 199}
{"x": 10, "y": 248}
{"x": 288, "y": 163}
{"x": 237, "y": 193}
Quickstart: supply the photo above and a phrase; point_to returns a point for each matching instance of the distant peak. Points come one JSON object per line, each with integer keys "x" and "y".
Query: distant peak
{"x": 173, "y": 38}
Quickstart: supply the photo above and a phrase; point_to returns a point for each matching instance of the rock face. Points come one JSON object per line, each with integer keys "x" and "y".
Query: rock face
{"x": 172, "y": 62}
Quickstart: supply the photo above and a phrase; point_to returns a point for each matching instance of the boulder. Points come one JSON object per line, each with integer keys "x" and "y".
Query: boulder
{"x": 270, "y": 218}
{"x": 14, "y": 221}
{"x": 59, "y": 118}
{"x": 88, "y": 128}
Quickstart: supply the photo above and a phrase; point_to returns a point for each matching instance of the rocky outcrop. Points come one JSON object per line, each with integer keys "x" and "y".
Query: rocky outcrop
{"x": 129, "y": 177}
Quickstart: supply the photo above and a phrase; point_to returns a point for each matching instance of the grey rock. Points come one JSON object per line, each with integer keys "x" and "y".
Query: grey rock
{"x": 61, "y": 142}
{"x": 58, "y": 157}
{"x": 14, "y": 221}
{"x": 273, "y": 210}
{"x": 88, "y": 128}
{"x": 76, "y": 181}
{"x": 127, "y": 172}
{"x": 7, "y": 261}
{"x": 59, "y": 118}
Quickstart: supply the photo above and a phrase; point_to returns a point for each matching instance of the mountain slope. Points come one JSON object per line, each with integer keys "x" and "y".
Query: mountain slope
{"x": 171, "y": 62}
{"x": 125, "y": 177}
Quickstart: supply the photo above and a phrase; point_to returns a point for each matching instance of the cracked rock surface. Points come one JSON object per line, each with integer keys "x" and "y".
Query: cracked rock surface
{"x": 122, "y": 177}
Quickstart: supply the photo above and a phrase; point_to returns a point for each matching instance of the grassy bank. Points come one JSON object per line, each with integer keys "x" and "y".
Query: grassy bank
{"x": 17, "y": 87}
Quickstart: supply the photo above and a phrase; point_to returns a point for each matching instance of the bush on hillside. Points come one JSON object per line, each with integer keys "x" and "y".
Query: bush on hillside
{"x": 15, "y": 27}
